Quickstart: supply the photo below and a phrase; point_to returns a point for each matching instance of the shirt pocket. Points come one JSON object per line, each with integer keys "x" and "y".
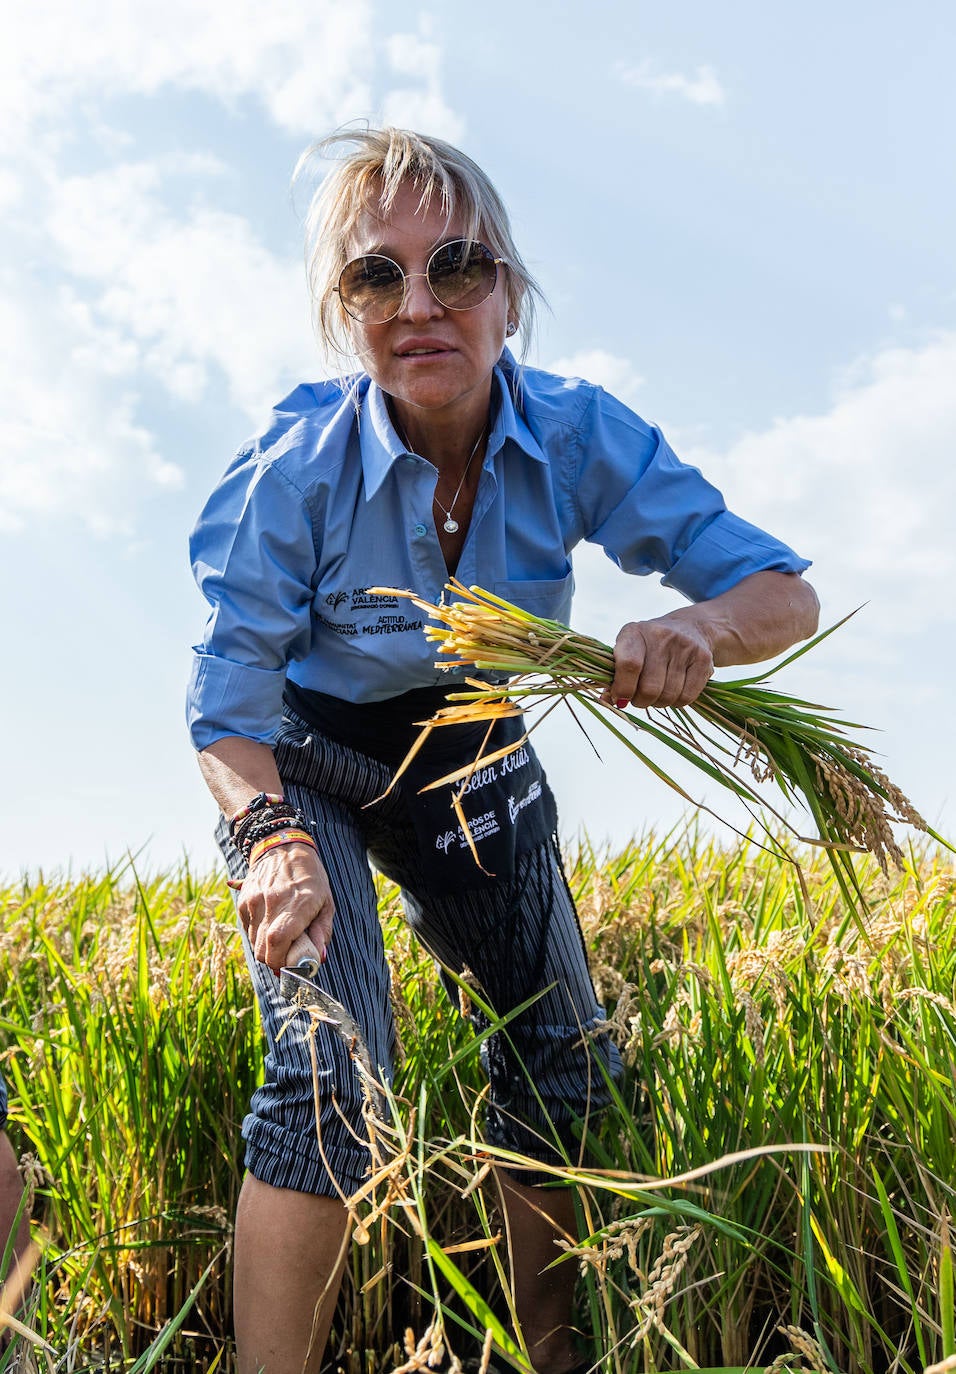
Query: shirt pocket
{"x": 547, "y": 597}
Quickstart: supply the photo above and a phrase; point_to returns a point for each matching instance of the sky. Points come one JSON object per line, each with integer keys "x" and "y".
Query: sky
{"x": 742, "y": 216}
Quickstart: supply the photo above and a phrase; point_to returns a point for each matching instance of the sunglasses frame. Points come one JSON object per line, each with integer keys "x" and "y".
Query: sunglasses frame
{"x": 412, "y": 276}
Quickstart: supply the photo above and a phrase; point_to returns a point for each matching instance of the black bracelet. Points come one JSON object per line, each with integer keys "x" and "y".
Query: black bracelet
{"x": 248, "y": 822}
{"x": 267, "y": 822}
{"x": 259, "y": 802}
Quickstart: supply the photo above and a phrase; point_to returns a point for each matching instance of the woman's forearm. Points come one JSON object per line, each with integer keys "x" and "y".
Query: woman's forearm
{"x": 669, "y": 661}
{"x": 235, "y": 769}
{"x": 286, "y": 892}
{"x": 759, "y": 618}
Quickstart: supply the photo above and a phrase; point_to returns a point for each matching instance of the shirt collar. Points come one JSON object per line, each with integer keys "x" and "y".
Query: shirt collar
{"x": 381, "y": 447}
{"x": 379, "y": 443}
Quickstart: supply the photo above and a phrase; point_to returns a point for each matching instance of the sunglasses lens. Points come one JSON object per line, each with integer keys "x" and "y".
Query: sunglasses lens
{"x": 371, "y": 288}
{"x": 462, "y": 274}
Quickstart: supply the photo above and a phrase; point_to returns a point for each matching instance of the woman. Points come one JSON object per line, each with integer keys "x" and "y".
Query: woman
{"x": 439, "y": 456}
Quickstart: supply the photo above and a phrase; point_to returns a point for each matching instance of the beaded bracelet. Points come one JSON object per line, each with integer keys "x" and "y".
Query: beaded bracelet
{"x": 259, "y": 823}
{"x": 256, "y": 803}
{"x": 280, "y": 838}
{"x": 267, "y": 823}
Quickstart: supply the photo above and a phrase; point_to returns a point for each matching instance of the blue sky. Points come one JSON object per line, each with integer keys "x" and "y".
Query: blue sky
{"x": 742, "y": 216}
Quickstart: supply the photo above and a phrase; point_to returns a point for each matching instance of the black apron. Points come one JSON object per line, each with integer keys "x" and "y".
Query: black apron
{"x": 508, "y": 805}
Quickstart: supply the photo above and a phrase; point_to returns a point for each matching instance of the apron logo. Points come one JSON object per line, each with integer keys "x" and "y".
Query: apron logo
{"x": 518, "y": 804}
{"x": 480, "y": 826}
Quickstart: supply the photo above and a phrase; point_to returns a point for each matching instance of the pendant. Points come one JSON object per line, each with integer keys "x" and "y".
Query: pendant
{"x": 450, "y": 526}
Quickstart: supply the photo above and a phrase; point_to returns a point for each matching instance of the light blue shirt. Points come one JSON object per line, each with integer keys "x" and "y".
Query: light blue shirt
{"x": 329, "y": 502}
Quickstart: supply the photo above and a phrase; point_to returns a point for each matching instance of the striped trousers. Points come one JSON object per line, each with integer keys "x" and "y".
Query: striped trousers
{"x": 547, "y": 1070}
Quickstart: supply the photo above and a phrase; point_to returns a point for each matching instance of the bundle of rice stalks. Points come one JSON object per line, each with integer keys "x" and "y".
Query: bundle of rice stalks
{"x": 734, "y": 728}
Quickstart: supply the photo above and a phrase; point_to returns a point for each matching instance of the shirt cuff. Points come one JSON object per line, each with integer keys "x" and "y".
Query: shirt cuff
{"x": 226, "y": 698}
{"x": 726, "y": 552}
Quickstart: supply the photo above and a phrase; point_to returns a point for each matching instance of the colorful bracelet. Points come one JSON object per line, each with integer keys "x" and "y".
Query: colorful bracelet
{"x": 279, "y": 838}
{"x": 267, "y": 822}
{"x": 256, "y": 803}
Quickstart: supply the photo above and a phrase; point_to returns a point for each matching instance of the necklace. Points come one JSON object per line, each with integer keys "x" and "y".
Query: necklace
{"x": 450, "y": 524}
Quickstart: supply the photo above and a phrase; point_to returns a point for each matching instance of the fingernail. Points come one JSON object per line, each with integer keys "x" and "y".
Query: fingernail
{"x": 325, "y": 955}
{"x": 621, "y": 703}
{"x": 235, "y": 884}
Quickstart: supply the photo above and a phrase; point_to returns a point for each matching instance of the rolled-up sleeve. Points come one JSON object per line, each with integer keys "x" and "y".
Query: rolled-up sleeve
{"x": 652, "y": 513}
{"x": 253, "y": 556}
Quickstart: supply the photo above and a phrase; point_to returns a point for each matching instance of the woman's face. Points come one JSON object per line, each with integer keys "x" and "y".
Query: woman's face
{"x": 435, "y": 363}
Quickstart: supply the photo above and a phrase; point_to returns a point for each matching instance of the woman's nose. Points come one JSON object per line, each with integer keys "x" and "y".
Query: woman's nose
{"x": 419, "y": 302}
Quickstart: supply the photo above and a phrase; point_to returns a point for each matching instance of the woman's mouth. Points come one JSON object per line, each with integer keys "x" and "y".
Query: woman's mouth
{"x": 425, "y": 349}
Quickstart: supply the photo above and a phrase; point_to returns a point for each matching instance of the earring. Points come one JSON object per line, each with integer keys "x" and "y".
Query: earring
{"x": 512, "y": 328}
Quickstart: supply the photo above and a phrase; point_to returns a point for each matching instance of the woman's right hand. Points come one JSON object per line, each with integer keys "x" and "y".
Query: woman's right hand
{"x": 285, "y": 893}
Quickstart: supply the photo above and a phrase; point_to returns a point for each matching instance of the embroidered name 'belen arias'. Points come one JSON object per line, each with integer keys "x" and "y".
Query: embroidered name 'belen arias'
{"x": 512, "y": 762}
{"x": 483, "y": 777}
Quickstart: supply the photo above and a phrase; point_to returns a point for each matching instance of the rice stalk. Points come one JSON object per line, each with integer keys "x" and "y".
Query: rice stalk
{"x": 700, "y": 941}
{"x": 735, "y": 727}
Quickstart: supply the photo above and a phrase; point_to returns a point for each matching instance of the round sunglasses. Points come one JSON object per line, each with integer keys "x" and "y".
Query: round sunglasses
{"x": 460, "y": 275}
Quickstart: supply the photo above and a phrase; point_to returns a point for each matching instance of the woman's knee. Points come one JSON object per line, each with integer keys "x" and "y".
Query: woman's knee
{"x": 307, "y": 1127}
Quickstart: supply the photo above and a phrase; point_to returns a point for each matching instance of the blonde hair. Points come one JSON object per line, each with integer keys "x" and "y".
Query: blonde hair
{"x": 371, "y": 167}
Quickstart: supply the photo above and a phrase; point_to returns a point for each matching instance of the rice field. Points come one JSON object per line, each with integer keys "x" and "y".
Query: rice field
{"x": 773, "y": 1190}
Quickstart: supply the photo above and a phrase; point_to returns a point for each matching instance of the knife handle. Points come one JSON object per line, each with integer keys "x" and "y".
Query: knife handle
{"x": 304, "y": 957}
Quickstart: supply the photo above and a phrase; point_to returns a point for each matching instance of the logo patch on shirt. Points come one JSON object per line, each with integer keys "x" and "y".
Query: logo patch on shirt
{"x": 362, "y": 600}
{"x": 392, "y": 625}
{"x": 343, "y": 627}
{"x": 359, "y": 601}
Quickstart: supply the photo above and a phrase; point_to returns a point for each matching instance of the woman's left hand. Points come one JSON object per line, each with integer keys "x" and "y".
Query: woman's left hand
{"x": 662, "y": 662}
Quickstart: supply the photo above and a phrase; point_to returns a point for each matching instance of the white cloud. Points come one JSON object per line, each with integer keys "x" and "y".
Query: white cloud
{"x": 703, "y": 88}
{"x": 867, "y": 488}
{"x": 125, "y": 298}
{"x": 135, "y": 286}
{"x": 421, "y": 106}
{"x": 308, "y": 64}
{"x": 11, "y": 189}
{"x": 614, "y": 373}
{"x": 70, "y": 442}
{"x": 194, "y": 298}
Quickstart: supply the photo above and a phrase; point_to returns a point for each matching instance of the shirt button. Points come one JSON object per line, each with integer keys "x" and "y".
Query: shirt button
{"x": 420, "y": 530}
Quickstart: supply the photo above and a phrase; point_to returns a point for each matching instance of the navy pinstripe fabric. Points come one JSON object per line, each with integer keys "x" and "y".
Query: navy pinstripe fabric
{"x": 517, "y": 937}
{"x": 3, "y": 1103}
